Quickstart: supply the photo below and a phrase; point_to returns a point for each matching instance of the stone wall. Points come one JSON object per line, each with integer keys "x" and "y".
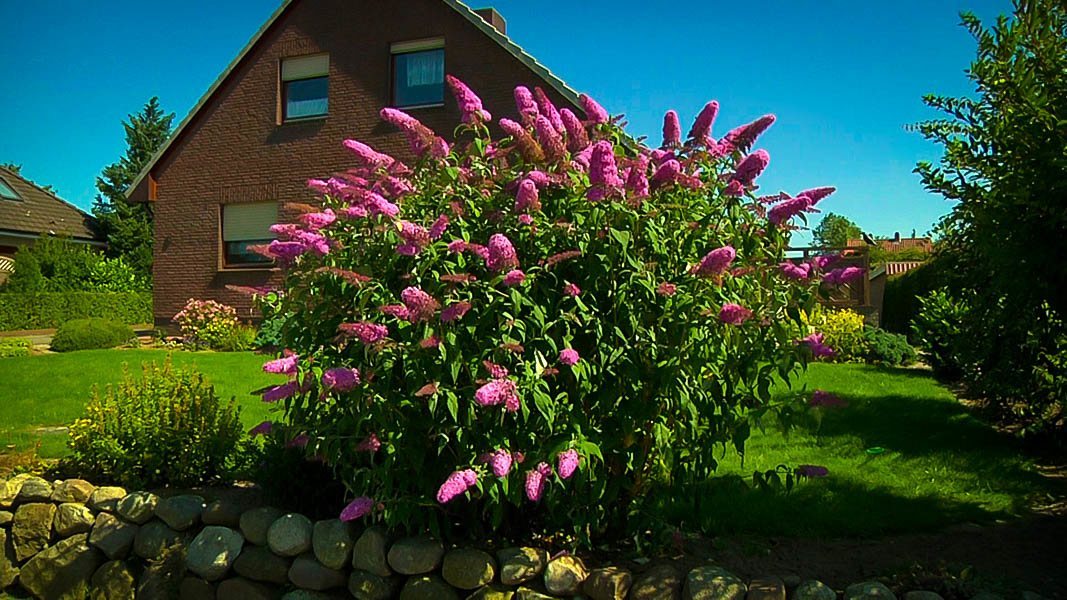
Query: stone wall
{"x": 70, "y": 539}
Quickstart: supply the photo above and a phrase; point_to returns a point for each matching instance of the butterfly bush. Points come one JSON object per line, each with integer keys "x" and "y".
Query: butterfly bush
{"x": 540, "y": 327}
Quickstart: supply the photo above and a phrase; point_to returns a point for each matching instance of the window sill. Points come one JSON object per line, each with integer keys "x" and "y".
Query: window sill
{"x": 304, "y": 119}
{"x": 420, "y": 106}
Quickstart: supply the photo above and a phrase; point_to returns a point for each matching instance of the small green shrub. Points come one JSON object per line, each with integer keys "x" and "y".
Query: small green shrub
{"x": 887, "y": 348}
{"x": 115, "y": 275}
{"x": 168, "y": 428}
{"x": 11, "y": 347}
{"x": 238, "y": 339}
{"x": 52, "y": 309}
{"x": 91, "y": 334}
{"x": 938, "y": 330}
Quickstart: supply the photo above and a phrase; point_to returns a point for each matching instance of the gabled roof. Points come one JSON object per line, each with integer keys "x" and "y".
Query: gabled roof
{"x": 40, "y": 212}
{"x": 505, "y": 42}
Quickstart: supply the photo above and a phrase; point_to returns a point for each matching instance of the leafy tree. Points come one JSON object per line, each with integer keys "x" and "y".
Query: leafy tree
{"x": 128, "y": 226}
{"x": 1004, "y": 164}
{"x": 835, "y": 231}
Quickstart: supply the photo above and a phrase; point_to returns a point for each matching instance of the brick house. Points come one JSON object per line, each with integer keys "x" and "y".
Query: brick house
{"x": 315, "y": 74}
{"x": 29, "y": 212}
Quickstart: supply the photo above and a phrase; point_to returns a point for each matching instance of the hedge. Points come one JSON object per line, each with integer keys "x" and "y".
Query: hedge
{"x": 46, "y": 310}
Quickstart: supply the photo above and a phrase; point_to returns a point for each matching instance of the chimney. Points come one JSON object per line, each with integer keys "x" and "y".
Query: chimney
{"x": 489, "y": 15}
{"x": 896, "y": 237}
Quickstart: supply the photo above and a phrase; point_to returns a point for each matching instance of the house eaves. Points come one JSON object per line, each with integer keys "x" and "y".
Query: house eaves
{"x": 504, "y": 41}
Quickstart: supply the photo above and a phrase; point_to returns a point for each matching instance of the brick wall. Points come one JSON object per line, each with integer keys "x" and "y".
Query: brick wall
{"x": 235, "y": 151}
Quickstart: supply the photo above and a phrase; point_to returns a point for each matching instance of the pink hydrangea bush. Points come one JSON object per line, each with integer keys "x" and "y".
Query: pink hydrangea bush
{"x": 204, "y": 323}
{"x": 539, "y": 327}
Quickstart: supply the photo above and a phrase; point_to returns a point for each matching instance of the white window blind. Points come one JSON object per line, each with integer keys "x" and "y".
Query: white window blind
{"x": 305, "y": 67}
{"x": 241, "y": 222}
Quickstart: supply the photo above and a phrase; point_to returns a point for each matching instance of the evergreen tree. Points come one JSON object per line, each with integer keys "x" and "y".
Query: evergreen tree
{"x": 834, "y": 231}
{"x": 128, "y": 226}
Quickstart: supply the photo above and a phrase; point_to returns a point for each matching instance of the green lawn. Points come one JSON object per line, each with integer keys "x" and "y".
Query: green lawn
{"x": 940, "y": 464}
{"x": 51, "y": 390}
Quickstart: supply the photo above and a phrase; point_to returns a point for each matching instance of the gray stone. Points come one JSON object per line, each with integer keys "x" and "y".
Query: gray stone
{"x": 468, "y": 568}
{"x": 72, "y": 518}
{"x": 6, "y": 517}
{"x": 766, "y": 588}
{"x": 427, "y": 587}
{"x": 32, "y": 529}
{"x": 525, "y": 593}
{"x": 113, "y": 581}
{"x": 223, "y": 511}
{"x": 180, "y": 512}
{"x": 106, "y": 498}
{"x": 660, "y": 582}
{"x": 138, "y": 507}
{"x": 255, "y": 523}
{"x": 792, "y": 582}
{"x": 112, "y": 535}
{"x": 518, "y": 565}
{"x": 213, "y": 551}
{"x": 163, "y": 576}
{"x": 62, "y": 571}
{"x": 260, "y": 564}
{"x": 869, "y": 590}
{"x": 927, "y": 595}
{"x": 246, "y": 590}
{"x": 713, "y": 583}
{"x": 369, "y": 553}
{"x": 8, "y": 571}
{"x": 194, "y": 588}
{"x": 34, "y": 489}
{"x": 415, "y": 555}
{"x": 564, "y": 575}
{"x": 493, "y": 592}
{"x": 310, "y": 574}
{"x": 609, "y": 583}
{"x": 72, "y": 490}
{"x": 332, "y": 543}
{"x": 368, "y": 586}
{"x": 9, "y": 490}
{"x": 154, "y": 537}
{"x": 299, "y": 594}
{"x": 290, "y": 535}
{"x": 812, "y": 589}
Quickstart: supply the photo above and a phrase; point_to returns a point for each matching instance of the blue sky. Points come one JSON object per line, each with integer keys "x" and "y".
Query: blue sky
{"x": 844, "y": 78}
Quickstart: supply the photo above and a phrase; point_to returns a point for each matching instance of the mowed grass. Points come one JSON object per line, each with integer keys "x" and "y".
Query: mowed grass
{"x": 938, "y": 464}
{"x": 39, "y": 394}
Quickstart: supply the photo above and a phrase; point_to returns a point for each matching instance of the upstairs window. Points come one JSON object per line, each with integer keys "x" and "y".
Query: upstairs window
{"x": 7, "y": 192}
{"x": 243, "y": 226}
{"x": 305, "y": 86}
{"x": 419, "y": 73}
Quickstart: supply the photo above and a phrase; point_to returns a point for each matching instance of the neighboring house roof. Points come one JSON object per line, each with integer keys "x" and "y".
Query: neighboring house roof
{"x": 891, "y": 244}
{"x": 558, "y": 84}
{"x": 901, "y": 266}
{"x": 39, "y": 212}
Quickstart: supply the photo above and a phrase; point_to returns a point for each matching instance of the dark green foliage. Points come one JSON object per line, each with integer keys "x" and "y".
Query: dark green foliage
{"x": 901, "y": 300}
{"x": 91, "y": 334}
{"x": 237, "y": 339}
{"x": 126, "y": 226}
{"x": 1005, "y": 167}
{"x": 168, "y": 428}
{"x": 834, "y": 231}
{"x": 887, "y": 348}
{"x": 937, "y": 329}
{"x": 48, "y": 310}
{"x": 60, "y": 265}
{"x": 10, "y": 347}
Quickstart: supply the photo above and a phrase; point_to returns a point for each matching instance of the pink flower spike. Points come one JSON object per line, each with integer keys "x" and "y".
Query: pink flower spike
{"x": 716, "y": 262}
{"x": 358, "y": 508}
{"x": 751, "y": 167}
{"x": 500, "y": 462}
{"x": 570, "y": 289}
{"x": 280, "y": 392}
{"x": 567, "y": 463}
{"x": 814, "y": 344}
{"x": 672, "y": 130}
{"x": 420, "y": 305}
{"x": 263, "y": 428}
{"x": 816, "y": 194}
{"x": 795, "y": 271}
{"x": 593, "y": 111}
{"x": 535, "y": 481}
{"x": 501, "y": 253}
{"x": 340, "y": 379}
{"x": 526, "y": 196}
{"x": 514, "y": 277}
{"x": 548, "y": 110}
{"x": 525, "y": 104}
{"x": 666, "y": 289}
{"x": 454, "y": 312}
{"x": 811, "y": 471}
{"x": 569, "y": 357}
{"x": 734, "y": 314}
{"x": 283, "y": 366}
{"x": 364, "y": 331}
{"x": 300, "y": 441}
{"x": 456, "y": 485}
{"x": 438, "y": 227}
{"x": 497, "y": 392}
{"x": 821, "y": 399}
{"x": 370, "y": 444}
{"x": 701, "y": 131}
{"x": 577, "y": 138}
{"x": 469, "y": 102}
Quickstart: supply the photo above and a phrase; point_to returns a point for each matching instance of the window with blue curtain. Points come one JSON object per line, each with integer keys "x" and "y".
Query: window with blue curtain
{"x": 305, "y": 86}
{"x": 419, "y": 78}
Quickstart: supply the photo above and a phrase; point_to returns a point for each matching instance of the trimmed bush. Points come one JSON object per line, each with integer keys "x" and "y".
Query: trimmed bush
{"x": 52, "y": 309}
{"x": 887, "y": 348}
{"x": 10, "y": 347}
{"x": 843, "y": 331}
{"x": 168, "y": 428}
{"x": 938, "y": 329}
{"x": 91, "y": 334}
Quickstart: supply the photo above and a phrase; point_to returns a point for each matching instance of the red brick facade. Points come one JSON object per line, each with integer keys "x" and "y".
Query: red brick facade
{"x": 235, "y": 150}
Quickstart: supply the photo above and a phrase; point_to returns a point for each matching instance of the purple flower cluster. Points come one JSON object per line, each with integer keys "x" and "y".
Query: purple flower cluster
{"x": 455, "y": 311}
{"x": 567, "y": 463}
{"x": 535, "y": 481}
{"x": 285, "y": 365}
{"x": 470, "y": 105}
{"x": 814, "y": 343}
{"x": 364, "y": 331}
{"x": 456, "y": 485}
{"x": 569, "y": 357}
{"x": 716, "y": 262}
{"x": 358, "y": 508}
{"x": 734, "y": 314}
{"x": 340, "y": 379}
{"x": 843, "y": 275}
{"x": 501, "y": 253}
{"x": 497, "y": 392}
{"x": 420, "y": 305}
